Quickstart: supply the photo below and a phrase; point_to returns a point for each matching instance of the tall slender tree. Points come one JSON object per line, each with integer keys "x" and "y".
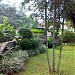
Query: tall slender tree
{"x": 46, "y": 28}
{"x": 54, "y": 24}
{"x": 61, "y": 43}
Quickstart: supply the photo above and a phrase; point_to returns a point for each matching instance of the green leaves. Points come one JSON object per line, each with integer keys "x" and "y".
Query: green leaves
{"x": 68, "y": 37}
{"x": 7, "y": 32}
{"x": 25, "y": 33}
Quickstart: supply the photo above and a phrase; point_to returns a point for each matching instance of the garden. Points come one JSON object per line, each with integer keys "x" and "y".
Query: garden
{"x": 42, "y": 43}
{"x": 27, "y": 55}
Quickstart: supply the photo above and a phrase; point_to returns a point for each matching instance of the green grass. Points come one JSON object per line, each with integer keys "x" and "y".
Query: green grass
{"x": 38, "y": 64}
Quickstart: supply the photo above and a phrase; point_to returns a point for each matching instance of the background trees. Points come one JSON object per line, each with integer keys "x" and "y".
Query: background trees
{"x": 70, "y": 11}
{"x": 15, "y": 18}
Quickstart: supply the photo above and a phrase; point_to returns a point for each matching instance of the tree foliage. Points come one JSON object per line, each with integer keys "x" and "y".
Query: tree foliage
{"x": 70, "y": 11}
{"x": 15, "y": 18}
{"x": 7, "y": 31}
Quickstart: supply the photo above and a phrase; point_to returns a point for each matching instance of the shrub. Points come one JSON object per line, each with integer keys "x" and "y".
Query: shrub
{"x": 26, "y": 44}
{"x": 17, "y": 47}
{"x": 68, "y": 37}
{"x": 31, "y": 52}
{"x": 34, "y": 43}
{"x": 42, "y": 48}
{"x": 25, "y": 33}
{"x": 37, "y": 51}
{"x": 30, "y": 45}
{"x": 13, "y": 60}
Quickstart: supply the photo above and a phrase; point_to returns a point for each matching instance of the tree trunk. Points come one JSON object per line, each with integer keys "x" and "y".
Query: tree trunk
{"x": 46, "y": 27}
{"x": 54, "y": 23}
{"x": 58, "y": 68}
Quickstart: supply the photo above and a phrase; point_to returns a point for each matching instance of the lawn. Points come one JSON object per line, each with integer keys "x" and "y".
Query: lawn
{"x": 38, "y": 64}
